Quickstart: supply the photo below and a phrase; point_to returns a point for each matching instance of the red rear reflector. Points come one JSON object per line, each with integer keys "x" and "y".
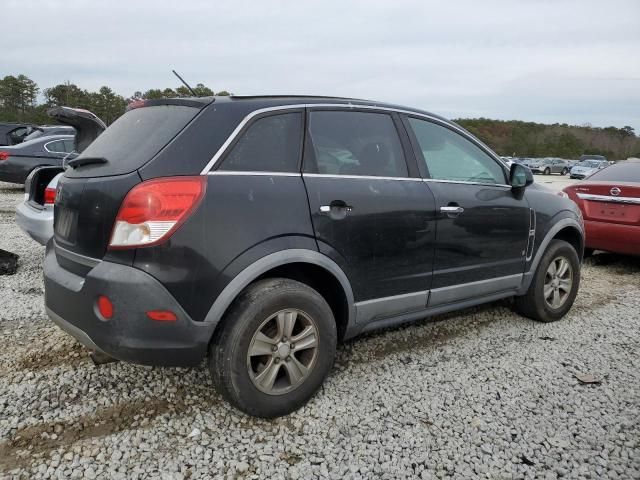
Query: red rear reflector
{"x": 162, "y": 315}
{"x": 105, "y": 307}
{"x": 49, "y": 196}
{"x": 4, "y": 155}
{"x": 153, "y": 210}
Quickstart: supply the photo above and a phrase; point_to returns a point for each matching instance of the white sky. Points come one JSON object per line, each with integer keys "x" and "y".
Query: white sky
{"x": 573, "y": 61}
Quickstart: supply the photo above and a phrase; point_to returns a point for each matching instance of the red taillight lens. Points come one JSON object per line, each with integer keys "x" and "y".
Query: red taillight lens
{"x": 105, "y": 307}
{"x": 162, "y": 315}
{"x": 154, "y": 209}
{"x": 4, "y": 155}
{"x": 49, "y": 196}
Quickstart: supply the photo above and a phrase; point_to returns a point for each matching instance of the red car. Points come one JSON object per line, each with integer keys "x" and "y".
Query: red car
{"x": 610, "y": 204}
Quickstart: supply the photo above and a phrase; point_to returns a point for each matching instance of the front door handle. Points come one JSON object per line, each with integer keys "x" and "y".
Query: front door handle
{"x": 452, "y": 210}
{"x": 337, "y": 209}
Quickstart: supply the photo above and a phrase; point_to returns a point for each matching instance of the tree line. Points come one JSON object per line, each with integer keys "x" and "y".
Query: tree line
{"x": 20, "y": 101}
{"x": 529, "y": 139}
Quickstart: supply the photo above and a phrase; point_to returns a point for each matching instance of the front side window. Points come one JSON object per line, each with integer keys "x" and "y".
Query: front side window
{"x": 449, "y": 156}
{"x": 270, "y": 144}
{"x": 355, "y": 143}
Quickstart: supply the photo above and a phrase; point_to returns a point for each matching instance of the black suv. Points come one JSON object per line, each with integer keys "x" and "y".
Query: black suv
{"x": 257, "y": 232}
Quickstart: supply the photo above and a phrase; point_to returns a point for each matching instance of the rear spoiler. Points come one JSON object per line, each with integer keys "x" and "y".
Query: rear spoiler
{"x": 195, "y": 102}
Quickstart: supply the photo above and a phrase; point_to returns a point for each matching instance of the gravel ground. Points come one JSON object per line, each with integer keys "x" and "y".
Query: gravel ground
{"x": 481, "y": 393}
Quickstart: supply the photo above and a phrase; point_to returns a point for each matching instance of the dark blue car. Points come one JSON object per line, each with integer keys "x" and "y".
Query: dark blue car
{"x": 17, "y": 161}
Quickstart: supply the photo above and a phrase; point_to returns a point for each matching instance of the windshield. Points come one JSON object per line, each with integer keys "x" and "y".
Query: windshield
{"x": 620, "y": 172}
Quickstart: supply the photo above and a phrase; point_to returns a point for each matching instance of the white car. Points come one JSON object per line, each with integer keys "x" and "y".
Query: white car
{"x": 586, "y": 168}
{"x": 35, "y": 214}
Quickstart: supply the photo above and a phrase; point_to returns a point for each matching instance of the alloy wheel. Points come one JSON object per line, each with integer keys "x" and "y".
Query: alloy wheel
{"x": 558, "y": 282}
{"x": 283, "y": 352}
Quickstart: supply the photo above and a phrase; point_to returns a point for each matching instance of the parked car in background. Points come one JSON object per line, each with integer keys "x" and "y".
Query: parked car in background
{"x": 13, "y": 133}
{"x": 610, "y": 204}
{"x": 49, "y": 130}
{"x": 35, "y": 214}
{"x": 593, "y": 157}
{"x": 18, "y": 161}
{"x": 258, "y": 231}
{"x": 548, "y": 166}
{"x": 586, "y": 167}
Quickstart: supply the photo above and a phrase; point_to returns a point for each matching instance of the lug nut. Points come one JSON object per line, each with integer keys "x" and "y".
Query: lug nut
{"x": 274, "y": 348}
{"x": 288, "y": 359}
{"x": 277, "y": 360}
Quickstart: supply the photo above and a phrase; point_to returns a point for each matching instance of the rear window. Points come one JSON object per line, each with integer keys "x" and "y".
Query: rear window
{"x": 134, "y": 139}
{"x": 620, "y": 172}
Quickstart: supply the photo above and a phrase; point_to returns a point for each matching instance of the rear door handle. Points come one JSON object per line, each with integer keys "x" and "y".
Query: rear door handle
{"x": 451, "y": 209}
{"x": 337, "y": 209}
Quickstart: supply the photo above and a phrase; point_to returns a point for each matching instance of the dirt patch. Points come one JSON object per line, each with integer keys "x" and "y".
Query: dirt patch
{"x": 71, "y": 355}
{"x": 35, "y": 441}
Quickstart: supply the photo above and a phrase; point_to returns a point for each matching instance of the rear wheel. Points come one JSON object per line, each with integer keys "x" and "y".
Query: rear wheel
{"x": 554, "y": 286}
{"x": 274, "y": 349}
{"x": 565, "y": 171}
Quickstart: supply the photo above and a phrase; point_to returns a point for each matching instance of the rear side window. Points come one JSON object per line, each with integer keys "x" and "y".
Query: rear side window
{"x": 270, "y": 144}
{"x": 135, "y": 138}
{"x": 56, "y": 147}
{"x": 355, "y": 143}
{"x": 620, "y": 172}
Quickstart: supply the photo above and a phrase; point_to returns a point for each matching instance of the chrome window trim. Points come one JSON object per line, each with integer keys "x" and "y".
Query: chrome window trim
{"x": 608, "y": 199}
{"x": 345, "y": 106}
{"x": 360, "y": 177}
{"x": 254, "y": 173}
{"x": 437, "y": 180}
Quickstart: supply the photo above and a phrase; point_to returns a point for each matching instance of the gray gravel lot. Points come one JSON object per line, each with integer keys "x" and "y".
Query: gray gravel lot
{"x": 481, "y": 393}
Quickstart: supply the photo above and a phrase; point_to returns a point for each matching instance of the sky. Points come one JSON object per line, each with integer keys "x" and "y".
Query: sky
{"x": 566, "y": 61}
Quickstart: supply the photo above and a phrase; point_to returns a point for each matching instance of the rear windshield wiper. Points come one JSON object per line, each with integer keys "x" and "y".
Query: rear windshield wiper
{"x": 80, "y": 161}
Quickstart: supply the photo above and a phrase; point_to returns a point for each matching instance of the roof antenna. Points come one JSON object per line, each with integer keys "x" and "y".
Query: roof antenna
{"x": 185, "y": 83}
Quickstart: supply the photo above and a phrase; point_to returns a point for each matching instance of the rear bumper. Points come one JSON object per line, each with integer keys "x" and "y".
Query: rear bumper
{"x": 612, "y": 237}
{"x": 38, "y": 224}
{"x": 129, "y": 335}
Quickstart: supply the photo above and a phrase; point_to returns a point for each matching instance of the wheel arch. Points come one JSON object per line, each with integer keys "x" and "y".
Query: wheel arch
{"x": 568, "y": 229}
{"x": 307, "y": 266}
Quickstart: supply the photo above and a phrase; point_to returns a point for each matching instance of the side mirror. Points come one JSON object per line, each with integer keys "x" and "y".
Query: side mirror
{"x": 520, "y": 176}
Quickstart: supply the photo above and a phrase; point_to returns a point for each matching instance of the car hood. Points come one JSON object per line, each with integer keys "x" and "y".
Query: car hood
{"x": 582, "y": 169}
{"x": 87, "y": 125}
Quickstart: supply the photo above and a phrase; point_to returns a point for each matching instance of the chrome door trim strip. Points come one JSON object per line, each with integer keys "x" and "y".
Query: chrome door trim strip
{"x": 608, "y": 199}
{"x": 248, "y": 173}
{"x": 435, "y": 180}
{"x": 345, "y": 106}
{"x": 362, "y": 177}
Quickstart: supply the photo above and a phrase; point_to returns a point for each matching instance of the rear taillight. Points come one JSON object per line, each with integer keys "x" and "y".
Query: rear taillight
{"x": 153, "y": 210}
{"x": 4, "y": 155}
{"x": 49, "y": 196}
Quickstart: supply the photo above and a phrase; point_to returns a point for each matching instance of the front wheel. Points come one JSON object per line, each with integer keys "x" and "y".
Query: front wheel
{"x": 554, "y": 286}
{"x": 565, "y": 171}
{"x": 547, "y": 171}
{"x": 274, "y": 349}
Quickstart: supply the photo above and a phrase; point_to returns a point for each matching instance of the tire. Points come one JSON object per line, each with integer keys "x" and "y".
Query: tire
{"x": 588, "y": 252}
{"x": 261, "y": 308}
{"x": 533, "y": 303}
{"x": 565, "y": 171}
{"x": 547, "y": 171}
